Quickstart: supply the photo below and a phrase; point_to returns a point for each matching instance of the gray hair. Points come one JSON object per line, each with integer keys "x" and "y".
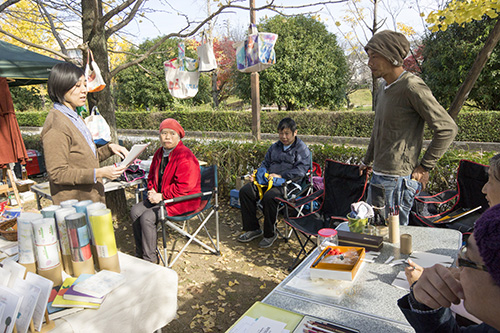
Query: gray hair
{"x": 495, "y": 166}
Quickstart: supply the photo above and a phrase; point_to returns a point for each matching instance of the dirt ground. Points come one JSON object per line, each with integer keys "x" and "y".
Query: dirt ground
{"x": 214, "y": 291}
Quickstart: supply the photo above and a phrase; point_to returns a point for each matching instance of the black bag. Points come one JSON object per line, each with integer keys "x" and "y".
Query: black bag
{"x": 133, "y": 172}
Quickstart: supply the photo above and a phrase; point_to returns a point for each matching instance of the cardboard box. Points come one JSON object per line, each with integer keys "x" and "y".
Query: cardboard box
{"x": 332, "y": 271}
{"x": 24, "y": 185}
{"x": 234, "y": 200}
{"x": 369, "y": 242}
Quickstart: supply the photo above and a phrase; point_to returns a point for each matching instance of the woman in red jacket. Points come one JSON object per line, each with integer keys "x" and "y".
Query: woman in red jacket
{"x": 174, "y": 172}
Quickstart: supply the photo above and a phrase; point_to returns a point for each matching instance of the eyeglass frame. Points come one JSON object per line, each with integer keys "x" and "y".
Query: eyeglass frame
{"x": 463, "y": 262}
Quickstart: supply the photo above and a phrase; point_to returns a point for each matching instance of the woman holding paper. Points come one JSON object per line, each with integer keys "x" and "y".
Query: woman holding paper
{"x": 71, "y": 157}
{"x": 174, "y": 172}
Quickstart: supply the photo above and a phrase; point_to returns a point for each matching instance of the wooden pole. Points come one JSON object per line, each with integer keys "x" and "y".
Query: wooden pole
{"x": 254, "y": 77}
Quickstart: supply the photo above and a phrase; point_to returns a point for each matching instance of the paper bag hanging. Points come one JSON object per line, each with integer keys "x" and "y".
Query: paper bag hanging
{"x": 98, "y": 127}
{"x": 256, "y": 53}
{"x": 95, "y": 82}
{"x": 206, "y": 56}
{"x": 182, "y": 77}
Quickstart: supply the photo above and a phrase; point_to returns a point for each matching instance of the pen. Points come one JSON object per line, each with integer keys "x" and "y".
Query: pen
{"x": 321, "y": 257}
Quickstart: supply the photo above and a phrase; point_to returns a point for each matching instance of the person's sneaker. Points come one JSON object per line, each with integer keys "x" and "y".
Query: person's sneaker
{"x": 250, "y": 235}
{"x": 267, "y": 242}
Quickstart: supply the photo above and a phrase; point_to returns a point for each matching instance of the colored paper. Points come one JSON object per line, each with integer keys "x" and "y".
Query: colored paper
{"x": 61, "y": 227}
{"x": 104, "y": 234}
{"x": 25, "y": 237}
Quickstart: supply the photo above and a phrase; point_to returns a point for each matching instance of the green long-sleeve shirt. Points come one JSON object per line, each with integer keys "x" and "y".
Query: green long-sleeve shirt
{"x": 401, "y": 112}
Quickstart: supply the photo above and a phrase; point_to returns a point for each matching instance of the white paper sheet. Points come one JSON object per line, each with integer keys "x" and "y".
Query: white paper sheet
{"x": 134, "y": 152}
{"x": 45, "y": 286}
{"x": 30, "y": 293}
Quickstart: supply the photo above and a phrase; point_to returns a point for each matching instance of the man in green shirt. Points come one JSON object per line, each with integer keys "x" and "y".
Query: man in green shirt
{"x": 403, "y": 105}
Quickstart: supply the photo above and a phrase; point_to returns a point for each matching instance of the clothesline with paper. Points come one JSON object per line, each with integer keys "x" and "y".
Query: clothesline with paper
{"x": 134, "y": 152}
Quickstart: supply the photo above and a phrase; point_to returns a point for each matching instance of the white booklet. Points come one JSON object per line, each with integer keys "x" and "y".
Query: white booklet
{"x": 100, "y": 284}
{"x": 134, "y": 152}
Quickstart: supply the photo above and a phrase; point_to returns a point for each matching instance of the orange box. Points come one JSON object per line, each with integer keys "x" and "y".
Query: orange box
{"x": 332, "y": 271}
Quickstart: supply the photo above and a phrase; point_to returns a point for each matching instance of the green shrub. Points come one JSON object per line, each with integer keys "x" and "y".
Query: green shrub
{"x": 477, "y": 126}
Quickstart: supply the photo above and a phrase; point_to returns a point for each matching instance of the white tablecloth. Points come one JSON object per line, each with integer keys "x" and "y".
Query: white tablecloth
{"x": 146, "y": 302}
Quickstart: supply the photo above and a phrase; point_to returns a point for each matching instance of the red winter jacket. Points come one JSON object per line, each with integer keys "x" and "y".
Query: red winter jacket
{"x": 181, "y": 177}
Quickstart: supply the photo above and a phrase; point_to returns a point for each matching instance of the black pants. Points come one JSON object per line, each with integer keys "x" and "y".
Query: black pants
{"x": 249, "y": 195}
{"x": 144, "y": 216}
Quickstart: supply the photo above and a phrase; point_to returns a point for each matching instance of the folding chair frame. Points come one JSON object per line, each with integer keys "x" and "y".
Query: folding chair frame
{"x": 175, "y": 221}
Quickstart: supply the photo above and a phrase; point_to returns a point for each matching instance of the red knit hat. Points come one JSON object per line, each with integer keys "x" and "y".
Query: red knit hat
{"x": 172, "y": 124}
{"x": 487, "y": 236}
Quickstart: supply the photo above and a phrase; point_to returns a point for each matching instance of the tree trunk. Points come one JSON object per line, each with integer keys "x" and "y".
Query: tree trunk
{"x": 477, "y": 67}
{"x": 94, "y": 35}
{"x": 215, "y": 92}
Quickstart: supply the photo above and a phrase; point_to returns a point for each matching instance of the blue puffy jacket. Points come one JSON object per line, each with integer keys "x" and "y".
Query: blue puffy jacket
{"x": 291, "y": 163}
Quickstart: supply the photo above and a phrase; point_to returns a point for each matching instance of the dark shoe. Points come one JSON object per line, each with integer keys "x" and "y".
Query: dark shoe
{"x": 250, "y": 235}
{"x": 267, "y": 242}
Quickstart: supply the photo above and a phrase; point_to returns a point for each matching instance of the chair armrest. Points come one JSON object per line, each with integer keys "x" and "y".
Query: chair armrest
{"x": 439, "y": 198}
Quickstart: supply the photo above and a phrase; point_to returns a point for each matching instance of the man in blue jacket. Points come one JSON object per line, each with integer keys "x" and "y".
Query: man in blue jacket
{"x": 288, "y": 158}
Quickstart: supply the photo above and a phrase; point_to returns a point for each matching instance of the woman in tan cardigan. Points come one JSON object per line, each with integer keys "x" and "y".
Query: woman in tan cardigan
{"x": 71, "y": 157}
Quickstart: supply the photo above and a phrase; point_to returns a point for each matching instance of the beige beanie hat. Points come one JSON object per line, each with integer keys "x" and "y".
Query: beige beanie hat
{"x": 391, "y": 45}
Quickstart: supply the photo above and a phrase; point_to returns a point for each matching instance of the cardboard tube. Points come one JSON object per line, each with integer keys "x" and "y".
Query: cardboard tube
{"x": 83, "y": 267}
{"x": 406, "y": 245}
{"x": 29, "y": 267}
{"x": 53, "y": 274}
{"x": 67, "y": 264}
{"x": 393, "y": 228}
{"x": 110, "y": 264}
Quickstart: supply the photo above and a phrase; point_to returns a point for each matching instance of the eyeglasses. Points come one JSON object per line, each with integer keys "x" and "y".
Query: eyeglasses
{"x": 464, "y": 262}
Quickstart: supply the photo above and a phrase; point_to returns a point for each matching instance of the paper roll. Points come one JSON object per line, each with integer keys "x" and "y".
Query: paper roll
{"x": 393, "y": 228}
{"x": 81, "y": 207}
{"x": 78, "y": 235}
{"x": 104, "y": 234}
{"x": 47, "y": 256}
{"x": 25, "y": 237}
{"x": 63, "y": 237}
{"x": 406, "y": 245}
{"x": 68, "y": 203}
{"x": 49, "y": 211}
{"x": 44, "y": 231}
{"x": 83, "y": 267}
{"x": 61, "y": 227}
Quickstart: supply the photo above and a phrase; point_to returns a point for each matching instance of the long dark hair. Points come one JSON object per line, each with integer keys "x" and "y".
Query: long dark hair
{"x": 62, "y": 78}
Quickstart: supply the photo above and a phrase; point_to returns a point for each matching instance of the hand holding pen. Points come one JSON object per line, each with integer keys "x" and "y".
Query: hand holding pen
{"x": 413, "y": 271}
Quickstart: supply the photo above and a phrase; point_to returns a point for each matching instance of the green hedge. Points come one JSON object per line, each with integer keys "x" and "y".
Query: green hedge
{"x": 235, "y": 159}
{"x": 475, "y": 126}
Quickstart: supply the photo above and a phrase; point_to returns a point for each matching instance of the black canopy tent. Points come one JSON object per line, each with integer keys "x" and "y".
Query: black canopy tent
{"x": 24, "y": 67}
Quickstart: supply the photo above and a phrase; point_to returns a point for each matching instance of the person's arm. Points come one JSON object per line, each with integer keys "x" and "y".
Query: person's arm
{"x": 438, "y": 120}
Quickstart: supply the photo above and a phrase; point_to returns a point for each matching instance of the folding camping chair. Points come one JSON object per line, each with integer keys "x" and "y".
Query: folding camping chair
{"x": 435, "y": 210}
{"x": 343, "y": 185}
{"x": 209, "y": 206}
{"x": 294, "y": 188}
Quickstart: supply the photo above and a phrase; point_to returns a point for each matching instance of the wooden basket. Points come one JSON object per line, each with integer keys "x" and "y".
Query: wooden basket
{"x": 8, "y": 229}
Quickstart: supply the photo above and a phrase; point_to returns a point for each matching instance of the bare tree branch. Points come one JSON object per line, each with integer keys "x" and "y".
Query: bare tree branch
{"x": 46, "y": 14}
{"x": 124, "y": 22}
{"x": 7, "y": 4}
{"x": 57, "y": 53}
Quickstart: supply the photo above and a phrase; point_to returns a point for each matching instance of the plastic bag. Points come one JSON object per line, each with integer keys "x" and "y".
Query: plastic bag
{"x": 257, "y": 52}
{"x": 182, "y": 77}
{"x": 95, "y": 82}
{"x": 98, "y": 127}
{"x": 206, "y": 56}
{"x": 263, "y": 181}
